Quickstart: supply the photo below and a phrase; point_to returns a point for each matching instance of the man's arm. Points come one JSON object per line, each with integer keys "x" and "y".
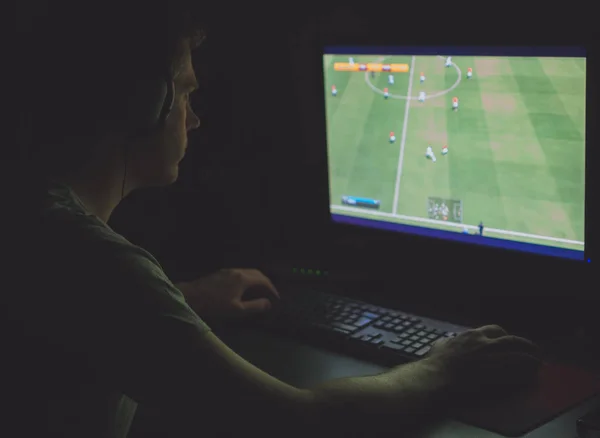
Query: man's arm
{"x": 140, "y": 337}
{"x": 220, "y": 385}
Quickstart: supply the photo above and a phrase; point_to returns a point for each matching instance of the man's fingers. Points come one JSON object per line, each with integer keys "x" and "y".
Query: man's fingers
{"x": 515, "y": 344}
{"x": 492, "y": 331}
{"x": 257, "y": 306}
{"x": 257, "y": 278}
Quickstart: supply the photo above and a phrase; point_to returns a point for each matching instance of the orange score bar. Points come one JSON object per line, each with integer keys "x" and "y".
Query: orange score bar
{"x": 391, "y": 68}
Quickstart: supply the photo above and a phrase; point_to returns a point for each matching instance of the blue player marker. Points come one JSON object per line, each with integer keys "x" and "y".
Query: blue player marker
{"x": 361, "y": 202}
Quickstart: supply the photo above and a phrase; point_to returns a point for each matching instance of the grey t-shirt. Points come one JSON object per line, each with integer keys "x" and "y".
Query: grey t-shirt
{"x": 95, "y": 325}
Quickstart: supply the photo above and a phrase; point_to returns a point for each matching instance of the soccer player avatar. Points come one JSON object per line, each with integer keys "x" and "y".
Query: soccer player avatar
{"x": 351, "y": 61}
{"x": 469, "y": 73}
{"x": 422, "y": 77}
{"x": 386, "y": 93}
{"x": 449, "y": 61}
{"x": 392, "y": 137}
{"x": 480, "y": 226}
{"x": 429, "y": 154}
{"x": 333, "y": 91}
{"x": 391, "y": 79}
{"x": 421, "y": 96}
{"x": 455, "y": 104}
{"x": 444, "y": 149}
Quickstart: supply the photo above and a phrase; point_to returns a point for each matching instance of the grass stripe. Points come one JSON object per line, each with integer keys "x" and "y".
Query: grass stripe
{"x": 555, "y": 131}
{"x": 473, "y": 174}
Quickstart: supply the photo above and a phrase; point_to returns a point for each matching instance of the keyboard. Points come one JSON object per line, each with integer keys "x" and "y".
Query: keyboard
{"x": 381, "y": 335}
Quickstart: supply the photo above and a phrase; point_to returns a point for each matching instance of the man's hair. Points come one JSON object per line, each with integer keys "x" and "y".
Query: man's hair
{"x": 79, "y": 61}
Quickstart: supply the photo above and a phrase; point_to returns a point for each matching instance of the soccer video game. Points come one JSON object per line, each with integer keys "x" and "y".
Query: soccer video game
{"x": 443, "y": 142}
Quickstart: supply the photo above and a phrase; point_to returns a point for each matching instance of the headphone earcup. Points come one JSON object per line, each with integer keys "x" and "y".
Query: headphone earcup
{"x": 168, "y": 101}
{"x": 149, "y": 104}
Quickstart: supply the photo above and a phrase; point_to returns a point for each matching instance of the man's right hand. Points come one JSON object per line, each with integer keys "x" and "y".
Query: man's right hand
{"x": 485, "y": 359}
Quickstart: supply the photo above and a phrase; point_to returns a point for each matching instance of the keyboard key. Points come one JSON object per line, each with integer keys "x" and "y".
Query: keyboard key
{"x": 399, "y": 328}
{"x": 387, "y": 318}
{"x": 356, "y": 336}
{"x": 379, "y": 324}
{"x": 406, "y": 342}
{"x": 423, "y": 351}
{"x": 450, "y": 334}
{"x": 404, "y": 335}
{"x": 346, "y": 327}
{"x": 420, "y": 327}
{"x": 414, "y": 338}
{"x": 409, "y": 350}
{"x": 370, "y": 315}
{"x": 377, "y": 341}
{"x": 396, "y": 321}
{"x": 388, "y": 326}
{"x": 411, "y": 331}
{"x": 406, "y": 323}
{"x": 413, "y": 319}
{"x": 417, "y": 345}
{"x": 340, "y": 331}
{"x": 362, "y": 322}
{"x": 432, "y": 336}
{"x": 392, "y": 347}
{"x": 394, "y": 314}
{"x": 421, "y": 333}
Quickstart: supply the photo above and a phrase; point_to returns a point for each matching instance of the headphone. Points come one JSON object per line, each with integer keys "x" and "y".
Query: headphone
{"x": 147, "y": 110}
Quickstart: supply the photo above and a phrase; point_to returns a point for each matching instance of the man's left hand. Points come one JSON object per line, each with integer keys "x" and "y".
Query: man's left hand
{"x": 219, "y": 296}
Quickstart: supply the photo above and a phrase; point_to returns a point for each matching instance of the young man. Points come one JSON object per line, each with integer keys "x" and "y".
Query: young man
{"x": 448, "y": 61}
{"x": 95, "y": 325}
{"x": 421, "y": 96}
{"x": 386, "y": 93}
{"x": 391, "y": 79}
{"x": 333, "y": 91}
{"x": 422, "y": 77}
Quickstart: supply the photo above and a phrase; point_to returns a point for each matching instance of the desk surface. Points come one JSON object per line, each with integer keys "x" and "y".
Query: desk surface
{"x": 304, "y": 366}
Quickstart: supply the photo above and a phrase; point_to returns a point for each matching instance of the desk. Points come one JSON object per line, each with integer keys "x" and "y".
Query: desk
{"x": 304, "y": 366}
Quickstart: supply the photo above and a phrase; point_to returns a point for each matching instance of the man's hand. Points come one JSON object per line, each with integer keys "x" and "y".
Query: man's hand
{"x": 219, "y": 296}
{"x": 486, "y": 359}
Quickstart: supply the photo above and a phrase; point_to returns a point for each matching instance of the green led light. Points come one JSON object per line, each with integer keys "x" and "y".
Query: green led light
{"x": 302, "y": 271}
{"x": 294, "y": 270}
{"x": 310, "y": 272}
{"x": 318, "y": 272}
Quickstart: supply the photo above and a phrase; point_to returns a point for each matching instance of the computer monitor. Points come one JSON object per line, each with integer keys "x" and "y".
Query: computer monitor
{"x": 485, "y": 146}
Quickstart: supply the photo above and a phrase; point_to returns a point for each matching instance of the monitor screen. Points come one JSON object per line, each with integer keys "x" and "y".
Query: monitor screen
{"x": 480, "y": 145}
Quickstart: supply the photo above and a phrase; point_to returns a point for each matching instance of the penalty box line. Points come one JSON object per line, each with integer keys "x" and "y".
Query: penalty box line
{"x": 455, "y": 225}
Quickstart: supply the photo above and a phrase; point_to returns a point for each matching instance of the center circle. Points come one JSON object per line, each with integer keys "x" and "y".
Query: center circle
{"x": 397, "y": 96}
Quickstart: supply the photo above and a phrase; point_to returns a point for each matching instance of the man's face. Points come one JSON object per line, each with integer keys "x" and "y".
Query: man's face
{"x": 157, "y": 160}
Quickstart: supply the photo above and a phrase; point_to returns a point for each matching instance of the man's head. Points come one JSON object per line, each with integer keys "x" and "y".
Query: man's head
{"x": 154, "y": 159}
{"x": 82, "y": 97}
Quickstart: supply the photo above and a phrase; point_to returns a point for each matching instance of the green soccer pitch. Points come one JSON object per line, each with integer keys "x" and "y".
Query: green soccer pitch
{"x": 516, "y": 157}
